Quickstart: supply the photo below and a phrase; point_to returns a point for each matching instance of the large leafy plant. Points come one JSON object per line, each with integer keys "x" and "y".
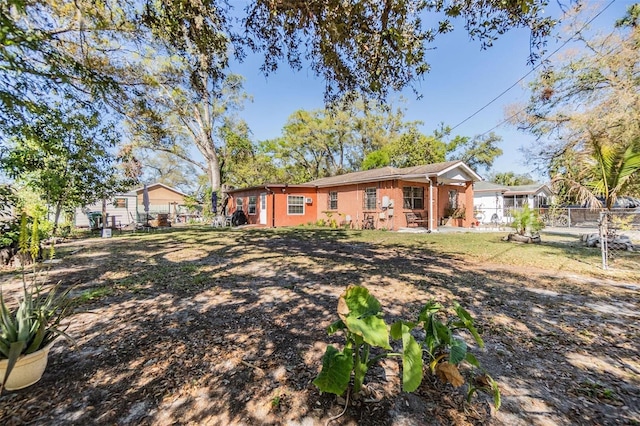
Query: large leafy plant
{"x": 364, "y": 329}
{"x": 366, "y": 332}
{"x": 446, "y": 350}
{"x": 37, "y": 319}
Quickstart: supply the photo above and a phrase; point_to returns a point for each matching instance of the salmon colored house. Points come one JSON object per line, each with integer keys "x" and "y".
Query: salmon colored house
{"x": 163, "y": 199}
{"x": 387, "y": 198}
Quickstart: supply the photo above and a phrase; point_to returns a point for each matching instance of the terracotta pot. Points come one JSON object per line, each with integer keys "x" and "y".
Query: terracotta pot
{"x": 27, "y": 370}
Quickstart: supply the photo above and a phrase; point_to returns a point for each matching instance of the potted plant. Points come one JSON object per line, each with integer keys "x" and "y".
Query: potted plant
{"x": 454, "y": 216}
{"x": 459, "y": 214}
{"x": 28, "y": 330}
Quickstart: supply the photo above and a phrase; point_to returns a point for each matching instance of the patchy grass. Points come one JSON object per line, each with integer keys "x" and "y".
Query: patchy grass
{"x": 227, "y": 326}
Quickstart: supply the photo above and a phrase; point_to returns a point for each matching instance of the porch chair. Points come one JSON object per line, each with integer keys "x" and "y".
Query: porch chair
{"x": 368, "y": 222}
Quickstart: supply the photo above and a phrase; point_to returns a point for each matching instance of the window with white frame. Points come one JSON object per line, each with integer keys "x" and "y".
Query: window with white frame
{"x": 239, "y": 204}
{"x": 413, "y": 197}
{"x": 295, "y": 204}
{"x": 120, "y": 203}
{"x": 253, "y": 202}
{"x": 512, "y": 203}
{"x": 370, "y": 198}
{"x": 333, "y": 200}
{"x": 540, "y": 200}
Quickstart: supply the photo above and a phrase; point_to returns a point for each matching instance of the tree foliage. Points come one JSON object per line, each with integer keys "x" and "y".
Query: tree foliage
{"x": 477, "y": 152}
{"x": 414, "y": 149}
{"x": 166, "y": 63}
{"x": 360, "y": 136}
{"x": 373, "y": 47}
{"x": 333, "y": 141}
{"x": 510, "y": 179}
{"x": 44, "y": 54}
{"x": 66, "y": 157}
{"x": 584, "y": 112}
{"x": 244, "y": 163}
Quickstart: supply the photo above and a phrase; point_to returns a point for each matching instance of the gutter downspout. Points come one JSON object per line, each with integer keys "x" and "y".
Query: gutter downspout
{"x": 430, "y": 204}
{"x": 273, "y": 206}
{"x": 273, "y": 209}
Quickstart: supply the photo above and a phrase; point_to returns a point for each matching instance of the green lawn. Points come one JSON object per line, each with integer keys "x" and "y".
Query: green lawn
{"x": 557, "y": 252}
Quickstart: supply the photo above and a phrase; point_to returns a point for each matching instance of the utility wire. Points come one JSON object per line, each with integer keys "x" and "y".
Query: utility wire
{"x": 526, "y": 75}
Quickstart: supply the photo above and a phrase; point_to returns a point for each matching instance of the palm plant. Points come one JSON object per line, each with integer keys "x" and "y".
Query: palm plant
{"x": 601, "y": 174}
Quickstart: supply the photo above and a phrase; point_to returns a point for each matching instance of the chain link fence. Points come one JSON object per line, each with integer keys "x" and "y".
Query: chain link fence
{"x": 615, "y": 232}
{"x": 618, "y": 239}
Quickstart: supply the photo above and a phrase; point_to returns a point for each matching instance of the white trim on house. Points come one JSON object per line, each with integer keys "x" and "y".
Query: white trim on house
{"x": 153, "y": 185}
{"x": 489, "y": 199}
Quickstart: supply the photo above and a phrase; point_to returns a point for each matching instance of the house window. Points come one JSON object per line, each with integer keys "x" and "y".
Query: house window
{"x": 253, "y": 202}
{"x": 514, "y": 202}
{"x": 413, "y": 197}
{"x": 120, "y": 203}
{"x": 295, "y": 204}
{"x": 540, "y": 201}
{"x": 333, "y": 200}
{"x": 239, "y": 204}
{"x": 370, "y": 198}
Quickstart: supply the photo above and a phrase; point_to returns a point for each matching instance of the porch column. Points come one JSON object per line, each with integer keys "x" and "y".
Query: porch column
{"x": 430, "y": 204}
{"x": 468, "y": 192}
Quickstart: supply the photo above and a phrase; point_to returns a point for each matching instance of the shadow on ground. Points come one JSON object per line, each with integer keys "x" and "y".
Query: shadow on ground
{"x": 209, "y": 326}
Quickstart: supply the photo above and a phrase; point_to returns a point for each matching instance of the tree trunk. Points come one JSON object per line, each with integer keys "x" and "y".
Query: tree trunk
{"x": 56, "y": 218}
{"x": 523, "y": 238}
{"x": 104, "y": 214}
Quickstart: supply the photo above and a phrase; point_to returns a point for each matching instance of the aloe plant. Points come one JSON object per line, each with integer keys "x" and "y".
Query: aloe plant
{"x": 34, "y": 324}
{"x": 364, "y": 328}
{"x": 36, "y": 321}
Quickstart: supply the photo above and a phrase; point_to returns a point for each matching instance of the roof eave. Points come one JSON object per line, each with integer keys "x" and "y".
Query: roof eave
{"x": 475, "y": 177}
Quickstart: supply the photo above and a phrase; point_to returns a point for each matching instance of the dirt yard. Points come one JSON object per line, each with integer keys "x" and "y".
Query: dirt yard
{"x": 228, "y": 327}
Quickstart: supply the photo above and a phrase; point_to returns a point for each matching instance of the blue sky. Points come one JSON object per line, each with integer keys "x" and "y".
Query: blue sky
{"x": 462, "y": 79}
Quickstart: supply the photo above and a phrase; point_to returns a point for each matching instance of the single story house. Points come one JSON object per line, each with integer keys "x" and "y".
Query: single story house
{"x": 494, "y": 202}
{"x": 121, "y": 211}
{"x": 386, "y": 198}
{"x": 127, "y": 208}
{"x": 163, "y": 199}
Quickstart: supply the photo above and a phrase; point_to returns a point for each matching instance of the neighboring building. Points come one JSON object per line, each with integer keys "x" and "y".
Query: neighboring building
{"x": 127, "y": 208}
{"x": 163, "y": 199}
{"x": 494, "y": 203}
{"x": 381, "y": 198}
{"x": 121, "y": 211}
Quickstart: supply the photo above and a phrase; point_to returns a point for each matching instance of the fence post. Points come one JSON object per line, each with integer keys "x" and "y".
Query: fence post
{"x": 604, "y": 234}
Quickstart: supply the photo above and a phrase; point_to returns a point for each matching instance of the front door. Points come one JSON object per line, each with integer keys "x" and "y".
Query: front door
{"x": 263, "y": 208}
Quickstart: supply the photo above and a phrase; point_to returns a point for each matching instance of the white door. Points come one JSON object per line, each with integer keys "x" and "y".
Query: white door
{"x": 263, "y": 208}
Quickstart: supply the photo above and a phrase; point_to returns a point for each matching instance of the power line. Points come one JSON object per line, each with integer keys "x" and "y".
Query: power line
{"x": 527, "y": 74}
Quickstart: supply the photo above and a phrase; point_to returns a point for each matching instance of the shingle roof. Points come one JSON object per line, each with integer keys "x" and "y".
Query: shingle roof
{"x": 510, "y": 190}
{"x": 385, "y": 173}
{"x": 152, "y": 185}
{"x": 489, "y": 186}
{"x": 526, "y": 189}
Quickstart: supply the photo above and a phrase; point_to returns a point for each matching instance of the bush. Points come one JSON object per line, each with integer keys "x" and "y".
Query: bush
{"x": 527, "y": 221}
